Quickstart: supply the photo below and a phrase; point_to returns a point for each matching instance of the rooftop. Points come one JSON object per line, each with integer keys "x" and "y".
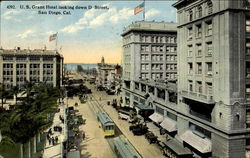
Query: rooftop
{"x": 150, "y": 26}
{"x": 19, "y": 51}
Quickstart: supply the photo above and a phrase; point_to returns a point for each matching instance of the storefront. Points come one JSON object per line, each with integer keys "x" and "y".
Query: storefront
{"x": 170, "y": 126}
{"x": 201, "y": 145}
{"x": 174, "y": 149}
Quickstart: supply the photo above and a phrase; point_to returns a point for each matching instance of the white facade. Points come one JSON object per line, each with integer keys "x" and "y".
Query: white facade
{"x": 18, "y": 66}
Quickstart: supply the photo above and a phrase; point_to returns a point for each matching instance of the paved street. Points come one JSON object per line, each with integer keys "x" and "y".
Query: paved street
{"x": 139, "y": 142}
{"x": 94, "y": 145}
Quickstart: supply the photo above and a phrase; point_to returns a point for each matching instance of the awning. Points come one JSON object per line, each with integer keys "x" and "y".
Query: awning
{"x": 169, "y": 125}
{"x": 203, "y": 145}
{"x": 177, "y": 147}
{"x": 157, "y": 118}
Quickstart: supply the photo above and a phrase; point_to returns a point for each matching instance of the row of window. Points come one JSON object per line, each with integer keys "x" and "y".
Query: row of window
{"x": 200, "y": 10}
{"x": 199, "y": 87}
{"x": 199, "y": 69}
{"x": 198, "y": 49}
{"x": 158, "y": 48}
{"x": 198, "y": 30}
{"x": 23, "y": 72}
{"x": 145, "y": 57}
{"x": 157, "y": 39}
{"x": 159, "y": 66}
{"x": 23, "y": 58}
{"x": 24, "y": 65}
{"x": 158, "y": 75}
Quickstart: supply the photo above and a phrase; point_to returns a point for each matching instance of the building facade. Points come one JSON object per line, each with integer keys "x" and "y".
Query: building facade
{"x": 150, "y": 67}
{"x": 108, "y": 75}
{"x": 213, "y": 77}
{"x": 40, "y": 65}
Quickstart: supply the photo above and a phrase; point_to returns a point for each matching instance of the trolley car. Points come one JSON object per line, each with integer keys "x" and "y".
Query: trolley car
{"x": 106, "y": 124}
{"x": 124, "y": 149}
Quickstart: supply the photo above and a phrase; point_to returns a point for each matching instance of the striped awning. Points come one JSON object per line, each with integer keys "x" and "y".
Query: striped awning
{"x": 204, "y": 145}
{"x": 157, "y": 118}
{"x": 169, "y": 125}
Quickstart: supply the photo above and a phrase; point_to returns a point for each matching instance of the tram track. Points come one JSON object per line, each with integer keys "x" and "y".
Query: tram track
{"x": 97, "y": 107}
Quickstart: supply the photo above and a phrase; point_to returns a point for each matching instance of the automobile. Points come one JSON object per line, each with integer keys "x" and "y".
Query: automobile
{"x": 151, "y": 137}
{"x": 140, "y": 130}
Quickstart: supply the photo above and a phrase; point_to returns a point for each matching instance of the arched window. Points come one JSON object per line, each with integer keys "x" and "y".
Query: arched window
{"x": 190, "y": 15}
{"x": 199, "y": 11}
{"x": 209, "y": 7}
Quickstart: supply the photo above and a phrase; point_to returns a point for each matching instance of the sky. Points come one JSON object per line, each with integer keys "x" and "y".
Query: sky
{"x": 84, "y": 35}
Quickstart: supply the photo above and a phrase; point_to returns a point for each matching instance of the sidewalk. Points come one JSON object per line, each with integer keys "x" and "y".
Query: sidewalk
{"x": 55, "y": 150}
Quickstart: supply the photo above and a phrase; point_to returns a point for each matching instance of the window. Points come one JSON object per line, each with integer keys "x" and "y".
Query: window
{"x": 190, "y": 85}
{"x": 248, "y": 25}
{"x": 199, "y": 11}
{"x": 190, "y": 33}
{"x": 190, "y": 15}
{"x": 247, "y": 69}
{"x": 209, "y": 7}
{"x": 190, "y": 68}
{"x": 209, "y": 48}
{"x": 190, "y": 50}
{"x": 143, "y": 38}
{"x": 145, "y": 48}
{"x": 198, "y": 49}
{"x": 199, "y": 68}
{"x": 209, "y": 69}
{"x": 198, "y": 87}
{"x": 20, "y": 58}
{"x": 47, "y": 58}
{"x": 209, "y": 88}
{"x": 7, "y": 58}
{"x": 34, "y": 58}
{"x": 201, "y": 131}
{"x": 159, "y": 110}
{"x": 209, "y": 28}
{"x": 198, "y": 31}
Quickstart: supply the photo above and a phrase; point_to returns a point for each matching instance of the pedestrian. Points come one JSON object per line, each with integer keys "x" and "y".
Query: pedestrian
{"x": 49, "y": 141}
{"x": 56, "y": 139}
{"x": 48, "y": 136}
{"x": 53, "y": 141}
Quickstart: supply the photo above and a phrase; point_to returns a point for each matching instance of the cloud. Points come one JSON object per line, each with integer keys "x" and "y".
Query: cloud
{"x": 60, "y": 18}
{"x": 152, "y": 12}
{"x": 72, "y": 28}
{"x": 92, "y": 19}
{"x": 10, "y": 15}
{"x": 25, "y": 34}
{"x": 123, "y": 14}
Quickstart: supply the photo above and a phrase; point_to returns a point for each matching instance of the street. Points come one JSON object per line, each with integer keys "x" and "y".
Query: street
{"x": 95, "y": 145}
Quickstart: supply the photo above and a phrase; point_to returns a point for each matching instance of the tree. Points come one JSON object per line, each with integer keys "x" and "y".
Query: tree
{"x": 3, "y": 93}
{"x": 30, "y": 117}
{"x": 14, "y": 91}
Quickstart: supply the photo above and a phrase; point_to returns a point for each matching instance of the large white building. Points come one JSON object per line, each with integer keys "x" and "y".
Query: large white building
{"x": 150, "y": 68}
{"x": 39, "y": 65}
{"x": 213, "y": 77}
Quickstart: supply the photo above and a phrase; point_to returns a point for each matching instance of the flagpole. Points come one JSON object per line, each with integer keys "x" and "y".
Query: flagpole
{"x": 56, "y": 40}
{"x": 144, "y": 11}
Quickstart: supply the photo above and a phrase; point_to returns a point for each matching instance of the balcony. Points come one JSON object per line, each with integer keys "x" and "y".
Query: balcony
{"x": 208, "y": 99}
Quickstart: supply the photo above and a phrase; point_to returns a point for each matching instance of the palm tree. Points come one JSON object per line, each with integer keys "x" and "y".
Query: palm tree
{"x": 3, "y": 93}
{"x": 14, "y": 91}
{"x": 30, "y": 116}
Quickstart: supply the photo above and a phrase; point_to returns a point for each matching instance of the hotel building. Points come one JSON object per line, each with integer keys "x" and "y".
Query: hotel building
{"x": 39, "y": 65}
{"x": 150, "y": 68}
{"x": 214, "y": 77}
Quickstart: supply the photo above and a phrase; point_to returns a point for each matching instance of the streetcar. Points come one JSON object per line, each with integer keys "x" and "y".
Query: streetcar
{"x": 124, "y": 149}
{"x": 106, "y": 124}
